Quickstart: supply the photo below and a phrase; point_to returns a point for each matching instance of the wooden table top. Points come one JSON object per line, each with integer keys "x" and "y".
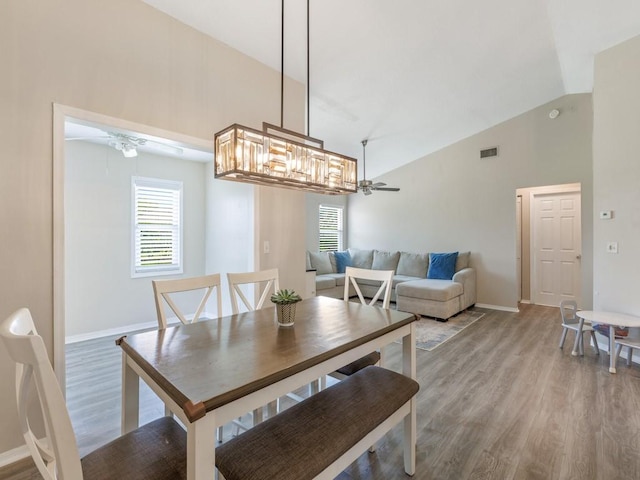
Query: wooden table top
{"x": 211, "y": 363}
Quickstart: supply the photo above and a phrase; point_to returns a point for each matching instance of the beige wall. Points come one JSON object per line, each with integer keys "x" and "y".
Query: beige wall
{"x": 284, "y": 220}
{"x": 119, "y": 58}
{"x": 453, "y": 200}
{"x": 616, "y": 171}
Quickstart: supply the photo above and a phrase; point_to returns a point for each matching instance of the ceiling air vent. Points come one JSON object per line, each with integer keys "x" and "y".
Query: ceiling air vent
{"x": 489, "y": 152}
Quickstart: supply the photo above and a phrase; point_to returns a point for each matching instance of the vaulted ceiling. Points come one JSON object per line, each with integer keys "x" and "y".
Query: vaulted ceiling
{"x": 414, "y": 76}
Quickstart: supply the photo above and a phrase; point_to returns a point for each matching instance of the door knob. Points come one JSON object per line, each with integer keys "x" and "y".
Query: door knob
{"x": 578, "y": 257}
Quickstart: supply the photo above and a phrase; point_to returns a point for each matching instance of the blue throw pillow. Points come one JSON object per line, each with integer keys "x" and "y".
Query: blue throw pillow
{"x": 442, "y": 266}
{"x": 343, "y": 260}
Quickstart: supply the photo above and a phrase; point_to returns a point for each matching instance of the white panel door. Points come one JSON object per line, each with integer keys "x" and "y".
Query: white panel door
{"x": 557, "y": 248}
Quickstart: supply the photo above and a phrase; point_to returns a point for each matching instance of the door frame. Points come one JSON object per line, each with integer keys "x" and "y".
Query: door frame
{"x": 543, "y": 191}
{"x": 62, "y": 113}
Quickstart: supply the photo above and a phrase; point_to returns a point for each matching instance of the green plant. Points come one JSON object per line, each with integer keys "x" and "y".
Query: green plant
{"x": 285, "y": 297}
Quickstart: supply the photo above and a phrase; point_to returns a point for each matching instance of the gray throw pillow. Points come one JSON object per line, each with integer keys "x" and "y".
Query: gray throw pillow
{"x": 413, "y": 264}
{"x": 462, "y": 261}
{"x": 361, "y": 258}
{"x": 321, "y": 262}
{"x": 308, "y": 265}
{"x": 385, "y": 260}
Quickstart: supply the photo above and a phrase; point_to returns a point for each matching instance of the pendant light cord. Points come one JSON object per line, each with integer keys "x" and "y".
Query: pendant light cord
{"x": 282, "y": 66}
{"x": 308, "y": 75}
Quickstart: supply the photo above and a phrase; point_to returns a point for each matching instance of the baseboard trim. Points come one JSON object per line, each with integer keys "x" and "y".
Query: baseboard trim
{"x": 498, "y": 307}
{"x": 15, "y": 455}
{"x": 128, "y": 328}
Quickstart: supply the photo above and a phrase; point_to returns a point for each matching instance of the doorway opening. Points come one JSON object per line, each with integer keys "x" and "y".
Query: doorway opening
{"x": 89, "y": 147}
{"x": 549, "y": 250}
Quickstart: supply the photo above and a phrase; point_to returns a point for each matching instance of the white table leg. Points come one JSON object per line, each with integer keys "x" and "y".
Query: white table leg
{"x": 130, "y": 397}
{"x": 201, "y": 448}
{"x": 314, "y": 387}
{"x": 612, "y": 353}
{"x": 409, "y": 369}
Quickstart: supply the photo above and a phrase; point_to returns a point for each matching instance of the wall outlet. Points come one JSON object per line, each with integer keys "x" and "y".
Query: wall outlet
{"x": 612, "y": 247}
{"x": 606, "y": 215}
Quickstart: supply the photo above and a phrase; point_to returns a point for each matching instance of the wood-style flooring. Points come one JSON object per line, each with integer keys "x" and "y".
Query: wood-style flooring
{"x": 498, "y": 401}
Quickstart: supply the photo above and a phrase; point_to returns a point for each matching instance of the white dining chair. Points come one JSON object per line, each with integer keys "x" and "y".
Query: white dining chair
{"x": 383, "y": 278}
{"x": 157, "y": 450}
{"x": 266, "y": 282}
{"x": 371, "y": 277}
{"x": 164, "y": 291}
{"x": 630, "y": 343}
{"x": 570, "y": 321}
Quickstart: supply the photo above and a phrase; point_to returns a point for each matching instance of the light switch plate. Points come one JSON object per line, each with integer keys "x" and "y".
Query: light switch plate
{"x": 612, "y": 247}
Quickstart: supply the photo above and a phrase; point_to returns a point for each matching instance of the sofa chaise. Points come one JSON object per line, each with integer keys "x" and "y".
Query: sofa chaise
{"x": 414, "y": 288}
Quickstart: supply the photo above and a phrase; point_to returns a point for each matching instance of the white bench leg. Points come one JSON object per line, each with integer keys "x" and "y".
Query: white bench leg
{"x": 410, "y": 440}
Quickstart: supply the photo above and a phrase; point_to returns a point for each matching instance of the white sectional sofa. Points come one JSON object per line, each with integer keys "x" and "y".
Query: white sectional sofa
{"x": 411, "y": 290}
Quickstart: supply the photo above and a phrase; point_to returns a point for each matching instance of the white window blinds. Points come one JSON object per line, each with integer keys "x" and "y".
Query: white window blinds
{"x": 157, "y": 227}
{"x": 330, "y": 228}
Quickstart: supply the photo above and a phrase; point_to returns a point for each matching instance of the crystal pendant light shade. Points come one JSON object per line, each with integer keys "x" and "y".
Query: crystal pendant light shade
{"x": 252, "y": 156}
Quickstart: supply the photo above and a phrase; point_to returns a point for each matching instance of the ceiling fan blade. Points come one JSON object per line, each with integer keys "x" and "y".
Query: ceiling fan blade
{"x": 86, "y": 138}
{"x": 367, "y": 191}
{"x": 378, "y": 184}
{"x": 386, "y": 189}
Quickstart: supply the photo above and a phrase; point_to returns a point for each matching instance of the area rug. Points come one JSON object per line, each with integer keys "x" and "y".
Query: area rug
{"x": 431, "y": 334}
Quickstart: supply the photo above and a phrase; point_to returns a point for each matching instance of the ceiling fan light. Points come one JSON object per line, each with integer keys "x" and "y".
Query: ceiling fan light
{"x": 129, "y": 150}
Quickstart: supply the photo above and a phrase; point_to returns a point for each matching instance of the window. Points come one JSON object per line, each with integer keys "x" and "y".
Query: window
{"x": 330, "y": 227}
{"x": 157, "y": 227}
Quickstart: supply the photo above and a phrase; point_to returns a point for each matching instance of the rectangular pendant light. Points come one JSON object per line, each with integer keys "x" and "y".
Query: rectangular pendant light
{"x": 287, "y": 160}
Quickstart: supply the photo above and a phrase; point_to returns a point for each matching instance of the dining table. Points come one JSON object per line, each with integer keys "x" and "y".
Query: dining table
{"x": 613, "y": 320}
{"x": 210, "y": 372}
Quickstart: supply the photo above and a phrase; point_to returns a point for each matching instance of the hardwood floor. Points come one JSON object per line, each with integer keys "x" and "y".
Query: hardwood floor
{"x": 498, "y": 401}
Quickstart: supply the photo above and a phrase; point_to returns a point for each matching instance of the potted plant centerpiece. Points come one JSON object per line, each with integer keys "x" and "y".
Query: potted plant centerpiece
{"x": 285, "y": 301}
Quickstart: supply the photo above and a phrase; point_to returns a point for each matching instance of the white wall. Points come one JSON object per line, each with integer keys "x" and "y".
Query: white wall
{"x": 230, "y": 230}
{"x": 453, "y": 200}
{"x": 125, "y": 60}
{"x": 100, "y": 293}
{"x": 616, "y": 171}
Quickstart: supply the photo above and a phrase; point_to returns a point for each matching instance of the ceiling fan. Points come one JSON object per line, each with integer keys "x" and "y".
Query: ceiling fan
{"x": 367, "y": 186}
{"x": 126, "y": 143}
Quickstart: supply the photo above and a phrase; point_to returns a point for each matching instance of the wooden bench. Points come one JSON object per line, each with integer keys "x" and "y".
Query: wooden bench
{"x": 325, "y": 433}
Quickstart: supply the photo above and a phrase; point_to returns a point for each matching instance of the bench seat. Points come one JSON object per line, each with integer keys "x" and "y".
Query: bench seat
{"x": 304, "y": 441}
